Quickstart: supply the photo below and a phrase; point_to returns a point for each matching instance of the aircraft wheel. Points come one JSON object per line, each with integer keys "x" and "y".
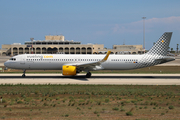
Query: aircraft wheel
{"x": 88, "y": 75}
{"x": 24, "y": 71}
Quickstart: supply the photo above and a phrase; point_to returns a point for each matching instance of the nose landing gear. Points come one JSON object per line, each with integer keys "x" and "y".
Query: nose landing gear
{"x": 24, "y": 71}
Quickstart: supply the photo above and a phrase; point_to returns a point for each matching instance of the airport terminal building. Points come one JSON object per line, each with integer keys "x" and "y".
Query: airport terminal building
{"x": 58, "y": 45}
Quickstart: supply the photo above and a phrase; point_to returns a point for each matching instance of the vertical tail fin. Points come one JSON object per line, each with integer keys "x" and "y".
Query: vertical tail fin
{"x": 161, "y": 46}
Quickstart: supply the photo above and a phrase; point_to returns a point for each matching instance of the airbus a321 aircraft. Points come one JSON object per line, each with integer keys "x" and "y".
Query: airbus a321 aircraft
{"x": 73, "y": 64}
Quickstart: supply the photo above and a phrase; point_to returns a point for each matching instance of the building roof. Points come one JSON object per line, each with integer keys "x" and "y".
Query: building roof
{"x": 38, "y": 42}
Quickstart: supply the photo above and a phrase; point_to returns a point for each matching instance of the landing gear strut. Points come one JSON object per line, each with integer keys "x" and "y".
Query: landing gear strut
{"x": 88, "y": 75}
{"x": 24, "y": 71}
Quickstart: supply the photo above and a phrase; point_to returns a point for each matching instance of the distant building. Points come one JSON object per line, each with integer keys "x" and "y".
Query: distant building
{"x": 58, "y": 45}
{"x": 132, "y": 49}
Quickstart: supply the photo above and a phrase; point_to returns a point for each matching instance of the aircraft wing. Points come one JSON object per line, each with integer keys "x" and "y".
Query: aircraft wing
{"x": 92, "y": 65}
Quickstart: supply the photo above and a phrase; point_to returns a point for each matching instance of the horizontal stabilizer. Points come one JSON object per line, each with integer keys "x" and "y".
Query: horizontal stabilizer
{"x": 165, "y": 59}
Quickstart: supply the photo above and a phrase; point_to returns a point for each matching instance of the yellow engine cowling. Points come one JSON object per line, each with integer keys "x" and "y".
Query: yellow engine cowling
{"x": 69, "y": 70}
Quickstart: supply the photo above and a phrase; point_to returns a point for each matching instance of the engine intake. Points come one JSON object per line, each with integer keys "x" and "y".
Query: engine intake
{"x": 69, "y": 70}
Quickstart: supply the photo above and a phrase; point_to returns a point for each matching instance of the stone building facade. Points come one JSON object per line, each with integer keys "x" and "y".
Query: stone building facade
{"x": 57, "y": 45}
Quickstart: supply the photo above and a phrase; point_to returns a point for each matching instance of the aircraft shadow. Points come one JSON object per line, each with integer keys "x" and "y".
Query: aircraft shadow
{"x": 138, "y": 77}
{"x": 83, "y": 77}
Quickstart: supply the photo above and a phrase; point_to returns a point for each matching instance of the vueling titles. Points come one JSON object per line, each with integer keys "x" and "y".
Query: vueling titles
{"x": 48, "y": 56}
{"x": 39, "y": 56}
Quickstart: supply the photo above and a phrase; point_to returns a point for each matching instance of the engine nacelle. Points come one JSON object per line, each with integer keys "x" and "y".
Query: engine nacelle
{"x": 69, "y": 70}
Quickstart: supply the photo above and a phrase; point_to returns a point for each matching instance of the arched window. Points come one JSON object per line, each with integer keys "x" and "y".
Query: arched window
{"x": 38, "y": 50}
{"x": 72, "y": 50}
{"x": 89, "y": 50}
{"x": 83, "y": 50}
{"x": 66, "y": 50}
{"x": 77, "y": 50}
{"x": 20, "y": 50}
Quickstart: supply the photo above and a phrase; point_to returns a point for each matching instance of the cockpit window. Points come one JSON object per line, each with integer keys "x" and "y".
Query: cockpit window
{"x": 13, "y": 59}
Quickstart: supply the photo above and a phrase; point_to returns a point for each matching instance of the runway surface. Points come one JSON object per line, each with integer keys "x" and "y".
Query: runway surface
{"x": 117, "y": 79}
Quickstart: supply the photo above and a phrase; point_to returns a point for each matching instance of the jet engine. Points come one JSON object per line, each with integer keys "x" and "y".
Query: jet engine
{"x": 69, "y": 70}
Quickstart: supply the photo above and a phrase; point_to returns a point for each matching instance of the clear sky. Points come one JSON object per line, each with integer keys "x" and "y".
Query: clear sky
{"x": 107, "y": 22}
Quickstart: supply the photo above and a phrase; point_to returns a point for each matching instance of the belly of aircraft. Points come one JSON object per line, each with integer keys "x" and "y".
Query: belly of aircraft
{"x": 119, "y": 66}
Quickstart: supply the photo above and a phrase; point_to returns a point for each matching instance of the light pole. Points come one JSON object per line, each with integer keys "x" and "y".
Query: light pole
{"x": 32, "y": 45}
{"x": 177, "y": 48}
{"x": 144, "y": 32}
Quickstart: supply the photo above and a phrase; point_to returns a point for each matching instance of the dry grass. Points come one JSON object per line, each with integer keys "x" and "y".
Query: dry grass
{"x": 89, "y": 102}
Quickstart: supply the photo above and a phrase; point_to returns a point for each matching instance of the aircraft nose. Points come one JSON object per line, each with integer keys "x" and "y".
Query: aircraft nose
{"x": 6, "y": 64}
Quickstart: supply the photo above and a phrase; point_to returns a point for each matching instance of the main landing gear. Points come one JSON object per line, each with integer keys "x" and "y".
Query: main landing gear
{"x": 88, "y": 75}
{"x": 24, "y": 71}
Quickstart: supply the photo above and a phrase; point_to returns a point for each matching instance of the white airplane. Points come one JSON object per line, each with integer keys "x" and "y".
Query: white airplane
{"x": 73, "y": 64}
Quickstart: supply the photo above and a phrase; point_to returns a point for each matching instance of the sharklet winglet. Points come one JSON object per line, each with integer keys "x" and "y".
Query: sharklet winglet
{"x": 106, "y": 57}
